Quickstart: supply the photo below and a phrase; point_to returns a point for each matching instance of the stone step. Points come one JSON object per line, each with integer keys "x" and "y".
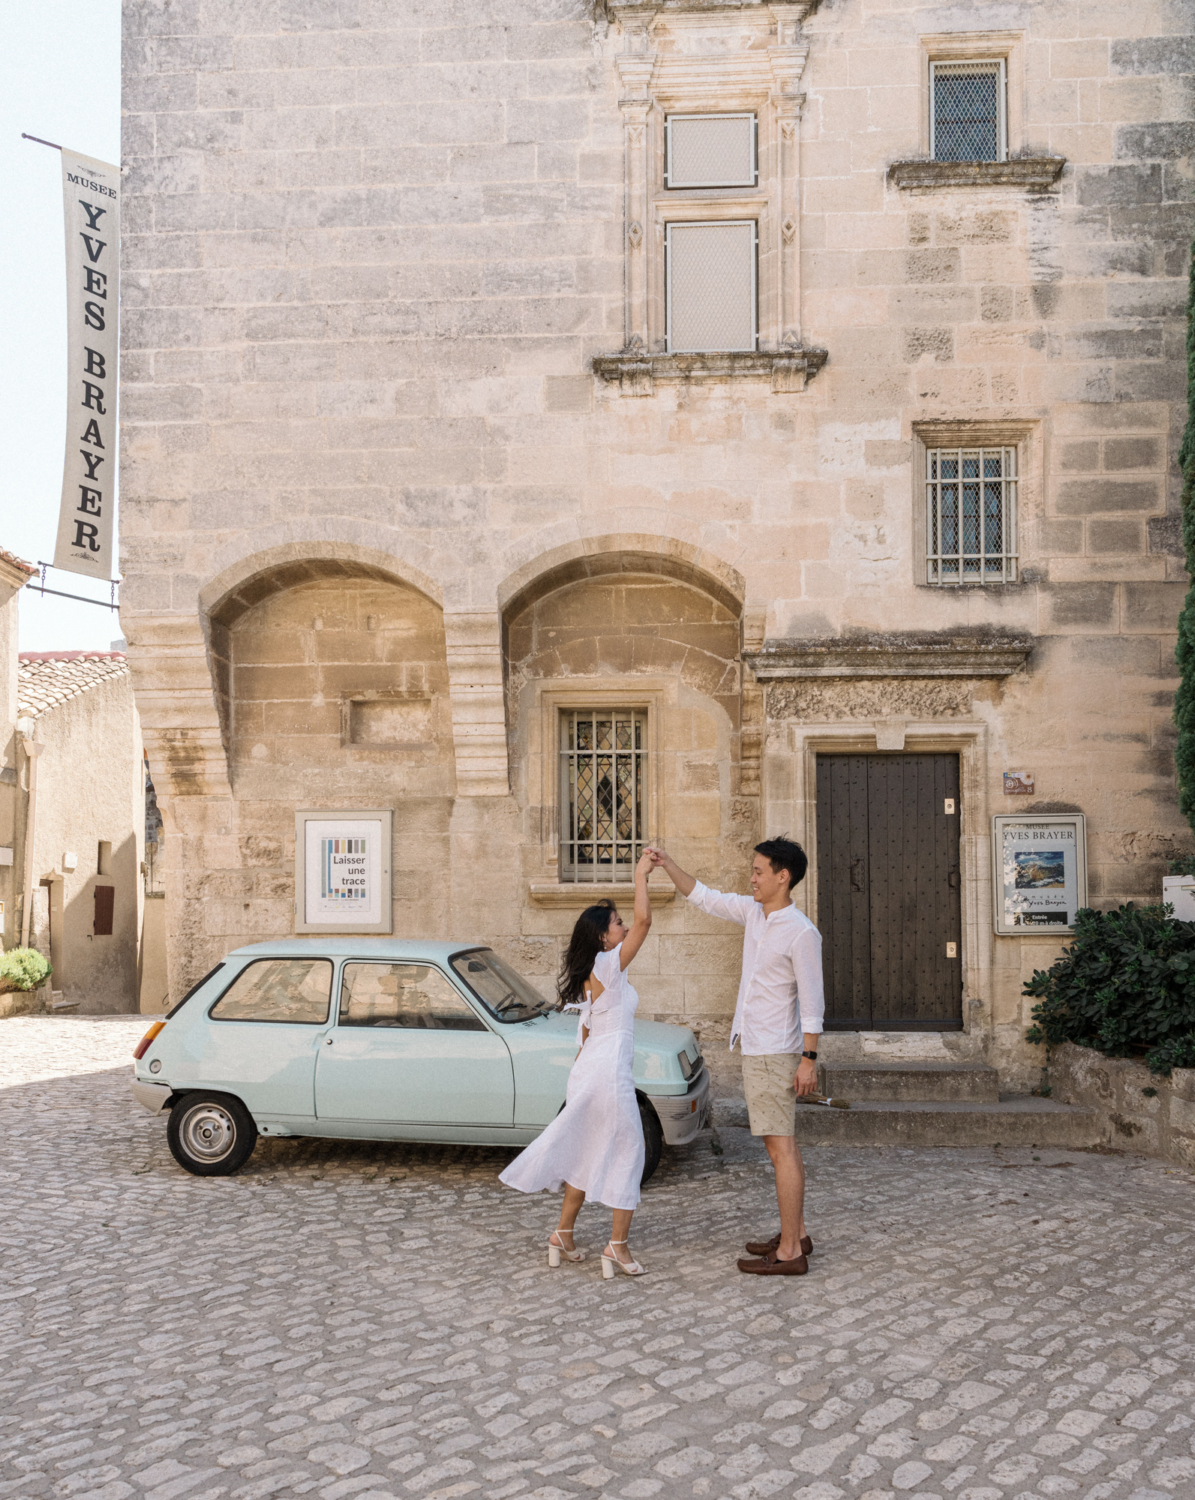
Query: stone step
{"x": 911, "y": 1082}
{"x": 1015, "y": 1121}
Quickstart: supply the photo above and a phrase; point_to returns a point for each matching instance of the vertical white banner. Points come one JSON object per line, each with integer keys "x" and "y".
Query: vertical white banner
{"x": 91, "y": 205}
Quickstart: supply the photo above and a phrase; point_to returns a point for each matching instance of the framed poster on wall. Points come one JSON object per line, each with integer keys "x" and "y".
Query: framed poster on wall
{"x": 1039, "y": 872}
{"x": 342, "y": 870}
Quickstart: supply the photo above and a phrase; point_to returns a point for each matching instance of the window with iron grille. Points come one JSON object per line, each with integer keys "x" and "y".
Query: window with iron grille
{"x": 967, "y": 111}
{"x": 703, "y": 151}
{"x": 710, "y": 283}
{"x": 603, "y": 793}
{"x": 971, "y": 515}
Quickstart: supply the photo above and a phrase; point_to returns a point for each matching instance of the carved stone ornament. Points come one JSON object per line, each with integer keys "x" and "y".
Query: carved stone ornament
{"x": 635, "y": 234}
{"x": 1039, "y": 172}
{"x": 636, "y": 370}
{"x": 788, "y": 229}
{"x": 924, "y": 653}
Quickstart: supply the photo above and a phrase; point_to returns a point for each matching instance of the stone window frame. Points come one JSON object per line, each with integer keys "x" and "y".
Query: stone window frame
{"x": 657, "y": 81}
{"x": 790, "y": 800}
{"x": 656, "y": 696}
{"x": 977, "y": 46}
{"x": 1019, "y": 168}
{"x": 1023, "y": 434}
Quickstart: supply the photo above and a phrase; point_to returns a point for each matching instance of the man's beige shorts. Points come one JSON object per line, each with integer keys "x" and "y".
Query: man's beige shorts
{"x": 771, "y": 1098}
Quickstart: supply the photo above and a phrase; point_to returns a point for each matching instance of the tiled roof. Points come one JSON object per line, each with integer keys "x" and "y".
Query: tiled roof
{"x": 47, "y": 678}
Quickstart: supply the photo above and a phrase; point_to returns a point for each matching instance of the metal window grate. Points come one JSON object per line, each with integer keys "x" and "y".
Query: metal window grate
{"x": 603, "y": 793}
{"x": 971, "y": 504}
{"x": 710, "y": 276}
{"x": 967, "y": 113}
{"x": 710, "y": 151}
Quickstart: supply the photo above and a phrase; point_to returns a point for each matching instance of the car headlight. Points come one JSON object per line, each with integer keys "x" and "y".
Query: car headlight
{"x": 686, "y": 1067}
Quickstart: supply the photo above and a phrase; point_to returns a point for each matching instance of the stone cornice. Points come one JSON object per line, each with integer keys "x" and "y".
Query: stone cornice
{"x": 1038, "y": 172}
{"x": 570, "y": 895}
{"x": 636, "y": 371}
{"x": 646, "y": 10}
{"x": 907, "y": 654}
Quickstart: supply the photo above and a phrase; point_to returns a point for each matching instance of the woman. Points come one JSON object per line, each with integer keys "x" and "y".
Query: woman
{"x": 594, "y": 1146}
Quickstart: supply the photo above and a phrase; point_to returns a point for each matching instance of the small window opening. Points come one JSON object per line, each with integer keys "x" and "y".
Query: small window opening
{"x": 709, "y": 151}
{"x": 967, "y": 111}
{"x": 710, "y": 278}
{"x": 603, "y": 793}
{"x": 971, "y": 515}
{"x": 103, "y": 858}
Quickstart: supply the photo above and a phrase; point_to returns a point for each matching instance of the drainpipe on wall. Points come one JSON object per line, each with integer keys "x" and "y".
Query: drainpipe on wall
{"x": 27, "y": 729}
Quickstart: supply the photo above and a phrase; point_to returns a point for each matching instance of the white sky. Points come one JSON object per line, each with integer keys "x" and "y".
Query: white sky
{"x": 60, "y": 79}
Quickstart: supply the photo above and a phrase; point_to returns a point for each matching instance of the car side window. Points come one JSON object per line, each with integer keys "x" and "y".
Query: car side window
{"x": 411, "y": 996}
{"x": 297, "y": 990}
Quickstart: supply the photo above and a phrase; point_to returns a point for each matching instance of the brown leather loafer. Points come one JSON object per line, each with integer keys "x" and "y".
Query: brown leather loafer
{"x": 765, "y": 1247}
{"x": 769, "y": 1265}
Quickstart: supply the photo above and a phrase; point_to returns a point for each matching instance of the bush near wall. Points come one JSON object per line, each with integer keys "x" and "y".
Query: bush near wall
{"x": 1125, "y": 986}
{"x": 22, "y": 969}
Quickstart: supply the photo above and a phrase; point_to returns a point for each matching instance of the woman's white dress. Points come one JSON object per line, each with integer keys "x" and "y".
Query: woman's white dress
{"x": 595, "y": 1143}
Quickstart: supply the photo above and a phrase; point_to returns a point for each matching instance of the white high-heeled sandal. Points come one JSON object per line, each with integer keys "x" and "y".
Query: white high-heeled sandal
{"x": 628, "y": 1267}
{"x": 556, "y": 1251}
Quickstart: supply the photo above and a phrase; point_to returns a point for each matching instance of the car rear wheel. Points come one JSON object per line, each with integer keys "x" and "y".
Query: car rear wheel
{"x": 653, "y": 1139}
{"x": 211, "y": 1135}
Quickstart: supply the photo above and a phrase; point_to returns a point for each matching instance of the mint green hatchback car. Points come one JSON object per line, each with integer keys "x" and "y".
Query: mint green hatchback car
{"x": 378, "y": 1039}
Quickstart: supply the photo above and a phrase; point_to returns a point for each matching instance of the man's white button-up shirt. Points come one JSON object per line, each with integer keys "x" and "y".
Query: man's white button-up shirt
{"x": 780, "y": 993}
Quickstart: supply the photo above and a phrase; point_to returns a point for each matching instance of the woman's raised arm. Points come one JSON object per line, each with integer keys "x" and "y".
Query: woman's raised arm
{"x": 641, "y": 926}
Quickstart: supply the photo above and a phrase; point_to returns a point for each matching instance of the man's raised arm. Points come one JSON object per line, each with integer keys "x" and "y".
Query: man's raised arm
{"x": 730, "y": 907}
{"x": 682, "y": 881}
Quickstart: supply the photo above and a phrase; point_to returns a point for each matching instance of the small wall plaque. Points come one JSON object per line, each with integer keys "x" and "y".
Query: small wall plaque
{"x": 1018, "y": 783}
{"x": 342, "y": 870}
{"x": 1039, "y": 873}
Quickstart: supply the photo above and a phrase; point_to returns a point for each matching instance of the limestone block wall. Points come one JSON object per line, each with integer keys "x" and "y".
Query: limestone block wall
{"x": 371, "y": 252}
{"x": 1142, "y": 1111}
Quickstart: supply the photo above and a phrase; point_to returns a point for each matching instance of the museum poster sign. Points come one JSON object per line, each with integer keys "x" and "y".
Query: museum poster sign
{"x": 91, "y": 206}
{"x": 342, "y": 870}
{"x": 1039, "y": 872}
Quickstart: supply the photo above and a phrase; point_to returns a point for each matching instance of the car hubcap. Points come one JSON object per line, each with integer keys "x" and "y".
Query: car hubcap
{"x": 209, "y": 1133}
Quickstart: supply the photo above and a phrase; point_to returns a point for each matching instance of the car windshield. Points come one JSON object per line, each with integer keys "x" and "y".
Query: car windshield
{"x": 503, "y": 991}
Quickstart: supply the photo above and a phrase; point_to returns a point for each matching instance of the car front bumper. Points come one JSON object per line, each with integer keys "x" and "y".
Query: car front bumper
{"x": 153, "y": 1096}
{"x": 683, "y": 1116}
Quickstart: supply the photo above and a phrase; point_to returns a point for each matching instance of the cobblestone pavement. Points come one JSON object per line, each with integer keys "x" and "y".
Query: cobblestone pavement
{"x": 370, "y": 1321}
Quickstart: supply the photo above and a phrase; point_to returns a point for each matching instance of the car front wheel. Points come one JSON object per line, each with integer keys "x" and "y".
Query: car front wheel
{"x": 211, "y": 1135}
{"x": 653, "y": 1139}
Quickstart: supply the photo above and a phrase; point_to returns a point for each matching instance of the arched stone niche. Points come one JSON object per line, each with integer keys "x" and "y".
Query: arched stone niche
{"x": 333, "y": 685}
{"x": 650, "y": 631}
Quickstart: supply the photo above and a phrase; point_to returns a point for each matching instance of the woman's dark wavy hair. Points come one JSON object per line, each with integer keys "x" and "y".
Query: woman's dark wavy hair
{"x": 586, "y": 943}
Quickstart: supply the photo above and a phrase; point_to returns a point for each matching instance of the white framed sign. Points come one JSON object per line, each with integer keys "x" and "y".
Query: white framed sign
{"x": 342, "y": 870}
{"x": 1039, "y": 872}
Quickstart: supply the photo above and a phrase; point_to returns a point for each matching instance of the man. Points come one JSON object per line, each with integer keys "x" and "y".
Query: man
{"x": 777, "y": 1021}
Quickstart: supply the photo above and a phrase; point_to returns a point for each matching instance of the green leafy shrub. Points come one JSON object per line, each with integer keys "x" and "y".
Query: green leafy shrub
{"x": 22, "y": 969}
{"x": 1125, "y": 985}
{"x": 1183, "y": 866}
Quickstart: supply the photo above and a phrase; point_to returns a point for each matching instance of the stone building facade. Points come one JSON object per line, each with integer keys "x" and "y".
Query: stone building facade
{"x": 74, "y": 813}
{"x": 460, "y": 401}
